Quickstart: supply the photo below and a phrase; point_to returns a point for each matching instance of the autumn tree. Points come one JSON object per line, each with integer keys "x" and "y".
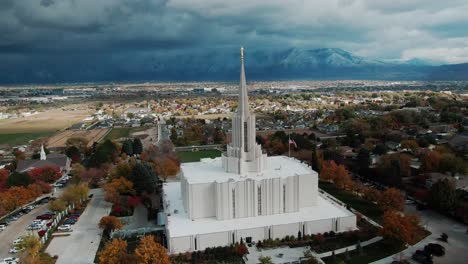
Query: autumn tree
{"x": 80, "y": 143}
{"x": 74, "y": 193}
{"x": 399, "y": 228}
{"x": 430, "y": 161}
{"x": 93, "y": 176}
{"x": 110, "y": 223}
{"x": 265, "y": 260}
{"x": 337, "y": 174}
{"x": 410, "y": 144}
{"x": 166, "y": 167}
{"x": 57, "y": 205}
{"x": 47, "y": 174}
{"x": 115, "y": 252}
{"x": 149, "y": 251}
{"x": 3, "y": 179}
{"x": 122, "y": 169}
{"x": 31, "y": 248}
{"x": 391, "y": 199}
{"x": 453, "y": 164}
{"x": 443, "y": 196}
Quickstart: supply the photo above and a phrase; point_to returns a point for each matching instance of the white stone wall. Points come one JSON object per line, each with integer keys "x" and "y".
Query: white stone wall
{"x": 278, "y": 195}
{"x": 187, "y": 243}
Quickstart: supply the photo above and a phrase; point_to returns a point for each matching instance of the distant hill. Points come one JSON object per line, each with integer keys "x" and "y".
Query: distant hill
{"x": 218, "y": 65}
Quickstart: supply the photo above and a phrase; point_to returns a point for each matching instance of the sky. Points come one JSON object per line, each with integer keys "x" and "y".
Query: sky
{"x": 432, "y": 30}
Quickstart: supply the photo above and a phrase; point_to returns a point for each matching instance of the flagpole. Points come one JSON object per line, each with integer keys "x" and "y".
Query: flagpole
{"x": 289, "y": 145}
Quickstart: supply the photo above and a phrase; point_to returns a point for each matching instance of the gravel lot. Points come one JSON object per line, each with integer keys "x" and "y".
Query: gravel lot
{"x": 82, "y": 244}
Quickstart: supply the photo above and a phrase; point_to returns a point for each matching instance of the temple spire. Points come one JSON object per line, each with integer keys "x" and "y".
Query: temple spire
{"x": 243, "y": 108}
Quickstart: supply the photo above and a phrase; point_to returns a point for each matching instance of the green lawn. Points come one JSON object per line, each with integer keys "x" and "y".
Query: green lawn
{"x": 365, "y": 207}
{"x": 121, "y": 132}
{"x": 371, "y": 253}
{"x": 22, "y": 138}
{"x": 193, "y": 156}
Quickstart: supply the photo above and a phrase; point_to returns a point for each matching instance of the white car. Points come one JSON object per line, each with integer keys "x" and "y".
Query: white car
{"x": 11, "y": 260}
{"x": 14, "y": 250}
{"x": 34, "y": 227}
{"x": 2, "y": 227}
{"x": 64, "y": 228}
{"x": 17, "y": 241}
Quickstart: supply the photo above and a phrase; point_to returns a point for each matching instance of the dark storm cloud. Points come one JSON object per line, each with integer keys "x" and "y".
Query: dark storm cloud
{"x": 399, "y": 29}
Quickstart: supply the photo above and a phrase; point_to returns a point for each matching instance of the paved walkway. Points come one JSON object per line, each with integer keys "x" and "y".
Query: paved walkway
{"x": 456, "y": 250}
{"x": 278, "y": 255}
{"x": 139, "y": 218}
{"x": 81, "y": 246}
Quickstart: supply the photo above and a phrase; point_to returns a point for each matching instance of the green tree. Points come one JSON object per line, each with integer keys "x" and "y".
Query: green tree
{"x": 104, "y": 153}
{"x": 443, "y": 196}
{"x": 143, "y": 178}
{"x": 453, "y": 164}
{"x": 137, "y": 146}
{"x": 127, "y": 147}
{"x": 19, "y": 179}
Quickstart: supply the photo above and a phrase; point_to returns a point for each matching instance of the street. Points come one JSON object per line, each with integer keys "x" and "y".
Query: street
{"x": 83, "y": 242}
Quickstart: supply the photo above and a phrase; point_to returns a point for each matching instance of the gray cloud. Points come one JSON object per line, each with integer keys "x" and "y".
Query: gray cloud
{"x": 403, "y": 29}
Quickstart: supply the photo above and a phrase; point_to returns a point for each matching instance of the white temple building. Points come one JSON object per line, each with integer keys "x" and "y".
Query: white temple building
{"x": 246, "y": 195}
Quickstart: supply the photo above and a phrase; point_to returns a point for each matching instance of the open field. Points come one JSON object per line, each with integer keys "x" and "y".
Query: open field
{"x": 193, "y": 156}
{"x": 22, "y": 138}
{"x": 50, "y": 120}
{"x": 122, "y": 132}
{"x": 93, "y": 135}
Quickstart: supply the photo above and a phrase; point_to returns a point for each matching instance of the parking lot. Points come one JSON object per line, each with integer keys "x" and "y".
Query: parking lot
{"x": 83, "y": 242}
{"x": 18, "y": 228}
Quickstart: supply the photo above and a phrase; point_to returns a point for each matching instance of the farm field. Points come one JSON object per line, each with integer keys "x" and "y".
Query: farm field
{"x": 50, "y": 120}
{"x": 93, "y": 135}
{"x": 122, "y": 132}
{"x": 22, "y": 138}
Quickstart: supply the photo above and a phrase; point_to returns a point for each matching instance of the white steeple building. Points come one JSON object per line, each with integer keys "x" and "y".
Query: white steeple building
{"x": 43, "y": 153}
{"x": 245, "y": 195}
{"x": 244, "y": 154}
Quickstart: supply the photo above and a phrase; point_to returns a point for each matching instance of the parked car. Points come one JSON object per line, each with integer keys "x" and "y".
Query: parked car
{"x": 435, "y": 249}
{"x": 26, "y": 211}
{"x": 41, "y": 233}
{"x": 14, "y": 250}
{"x": 70, "y": 221}
{"x": 64, "y": 228}
{"x": 34, "y": 227}
{"x": 2, "y": 227}
{"x": 5, "y": 223}
{"x": 11, "y": 260}
{"x": 422, "y": 257}
{"x": 90, "y": 196}
{"x": 74, "y": 217}
{"x": 44, "y": 217}
{"x": 17, "y": 241}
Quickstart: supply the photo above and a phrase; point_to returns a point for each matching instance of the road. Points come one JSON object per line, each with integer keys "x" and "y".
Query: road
{"x": 456, "y": 250}
{"x": 82, "y": 244}
{"x": 18, "y": 228}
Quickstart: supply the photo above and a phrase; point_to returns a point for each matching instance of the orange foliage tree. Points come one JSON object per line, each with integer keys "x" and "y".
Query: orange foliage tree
{"x": 115, "y": 252}
{"x": 399, "y": 228}
{"x": 149, "y": 251}
{"x": 430, "y": 161}
{"x": 110, "y": 223}
{"x": 338, "y": 174}
{"x": 391, "y": 199}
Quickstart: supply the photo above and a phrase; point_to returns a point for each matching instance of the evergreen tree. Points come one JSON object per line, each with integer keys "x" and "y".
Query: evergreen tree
{"x": 105, "y": 152}
{"x": 143, "y": 178}
{"x": 127, "y": 147}
{"x": 137, "y": 146}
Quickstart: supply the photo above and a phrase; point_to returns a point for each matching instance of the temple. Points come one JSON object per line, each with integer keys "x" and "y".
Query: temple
{"x": 246, "y": 195}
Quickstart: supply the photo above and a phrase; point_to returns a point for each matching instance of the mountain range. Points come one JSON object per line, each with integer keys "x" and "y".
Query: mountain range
{"x": 217, "y": 65}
